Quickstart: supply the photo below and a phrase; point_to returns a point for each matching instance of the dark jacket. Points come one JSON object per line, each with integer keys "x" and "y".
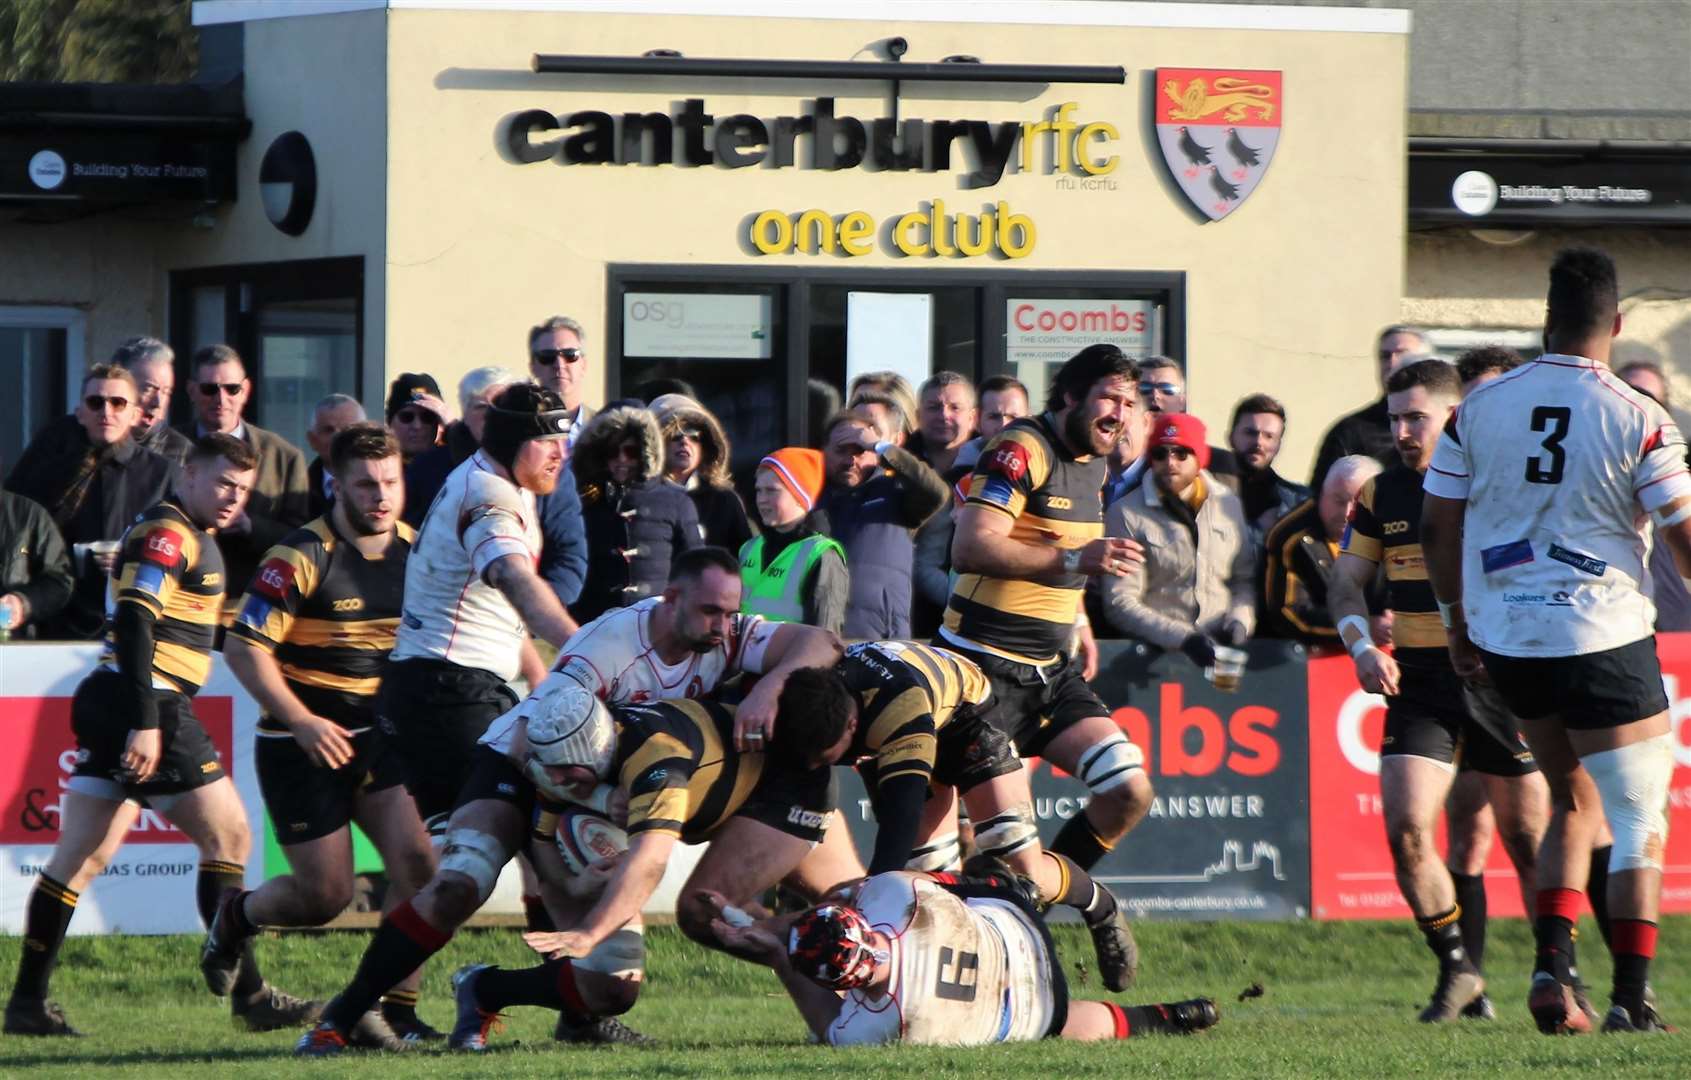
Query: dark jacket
{"x": 634, "y": 530}
{"x": 122, "y": 480}
{"x": 1298, "y": 563}
{"x": 721, "y": 513}
{"x": 168, "y": 443}
{"x": 317, "y": 492}
{"x": 424, "y": 475}
{"x": 563, "y": 550}
{"x": 1366, "y": 431}
{"x": 280, "y": 503}
{"x": 34, "y": 562}
{"x": 1267, "y": 497}
{"x": 875, "y": 522}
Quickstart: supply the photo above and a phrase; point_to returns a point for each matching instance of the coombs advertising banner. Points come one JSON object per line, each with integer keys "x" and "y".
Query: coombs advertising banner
{"x": 1351, "y": 866}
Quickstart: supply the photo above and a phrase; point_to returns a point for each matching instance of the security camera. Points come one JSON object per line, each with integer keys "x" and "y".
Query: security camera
{"x": 897, "y": 47}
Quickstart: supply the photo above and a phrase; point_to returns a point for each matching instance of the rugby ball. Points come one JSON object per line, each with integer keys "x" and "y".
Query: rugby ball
{"x": 586, "y": 837}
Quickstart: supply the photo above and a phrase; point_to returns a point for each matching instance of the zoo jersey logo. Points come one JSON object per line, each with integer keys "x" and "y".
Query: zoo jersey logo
{"x": 1217, "y": 130}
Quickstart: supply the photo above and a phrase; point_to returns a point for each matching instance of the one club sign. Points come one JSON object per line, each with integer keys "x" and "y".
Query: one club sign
{"x": 1218, "y": 129}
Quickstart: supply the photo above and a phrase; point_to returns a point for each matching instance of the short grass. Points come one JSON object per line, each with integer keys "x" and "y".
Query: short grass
{"x": 1340, "y": 1000}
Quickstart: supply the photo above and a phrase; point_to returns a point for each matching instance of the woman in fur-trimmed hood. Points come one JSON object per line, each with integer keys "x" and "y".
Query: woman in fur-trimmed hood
{"x": 696, "y": 455}
{"x": 637, "y": 521}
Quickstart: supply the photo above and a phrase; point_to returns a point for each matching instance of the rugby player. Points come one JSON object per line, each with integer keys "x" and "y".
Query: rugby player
{"x": 308, "y": 643}
{"x": 138, "y": 740}
{"x": 472, "y": 596}
{"x": 675, "y": 765}
{"x": 684, "y": 644}
{"x": 1531, "y": 532}
{"x": 936, "y": 959}
{"x": 920, "y": 741}
{"x": 1028, "y": 537}
{"x": 1433, "y": 720}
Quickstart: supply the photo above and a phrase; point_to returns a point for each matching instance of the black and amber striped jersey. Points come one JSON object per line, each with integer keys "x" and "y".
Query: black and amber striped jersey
{"x": 328, "y": 613}
{"x": 677, "y": 762}
{"x": 906, "y": 692}
{"x": 171, "y": 569}
{"x": 1053, "y": 498}
{"x": 1385, "y": 529}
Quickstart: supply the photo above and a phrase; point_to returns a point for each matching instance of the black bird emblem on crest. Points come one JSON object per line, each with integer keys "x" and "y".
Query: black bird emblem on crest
{"x": 1243, "y": 154}
{"x": 1197, "y": 155}
{"x": 1222, "y": 187}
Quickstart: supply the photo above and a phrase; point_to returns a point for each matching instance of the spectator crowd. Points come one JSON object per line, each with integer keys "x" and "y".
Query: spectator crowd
{"x": 853, "y": 534}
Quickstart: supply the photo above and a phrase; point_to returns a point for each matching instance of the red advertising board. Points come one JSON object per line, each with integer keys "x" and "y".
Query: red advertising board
{"x": 42, "y": 755}
{"x": 1350, "y": 865}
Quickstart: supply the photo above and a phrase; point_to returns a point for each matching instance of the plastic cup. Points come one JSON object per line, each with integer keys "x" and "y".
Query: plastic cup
{"x": 1228, "y": 669}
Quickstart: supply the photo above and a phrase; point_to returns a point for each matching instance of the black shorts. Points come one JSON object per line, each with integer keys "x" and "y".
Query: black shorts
{"x": 432, "y": 713}
{"x": 1030, "y": 704}
{"x": 1435, "y": 717}
{"x": 307, "y": 801}
{"x": 788, "y": 801}
{"x": 188, "y": 760}
{"x": 968, "y": 752}
{"x": 1588, "y": 691}
{"x": 494, "y": 776}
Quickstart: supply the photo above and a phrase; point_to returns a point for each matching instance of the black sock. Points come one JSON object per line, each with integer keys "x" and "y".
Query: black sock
{"x": 1553, "y": 929}
{"x": 536, "y": 915}
{"x": 1444, "y": 937}
{"x": 216, "y": 879}
{"x": 400, "y": 1006}
{"x": 1597, "y": 892}
{"x": 1078, "y": 839}
{"x": 1134, "y": 1020}
{"x": 1635, "y": 946}
{"x": 51, "y": 904}
{"x": 551, "y": 985}
{"x": 1471, "y": 902}
{"x": 401, "y": 944}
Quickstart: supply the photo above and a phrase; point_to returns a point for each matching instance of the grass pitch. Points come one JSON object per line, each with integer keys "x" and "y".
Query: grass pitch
{"x": 1340, "y": 1000}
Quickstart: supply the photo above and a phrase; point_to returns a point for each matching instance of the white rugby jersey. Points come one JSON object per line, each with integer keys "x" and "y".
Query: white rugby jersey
{"x": 1559, "y": 461}
{"x": 613, "y": 656}
{"x": 964, "y": 972}
{"x": 450, "y": 612}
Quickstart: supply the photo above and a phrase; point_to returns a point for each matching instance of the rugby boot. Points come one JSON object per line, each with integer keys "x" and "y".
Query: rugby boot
{"x": 474, "y": 1023}
{"x": 600, "y": 1031}
{"x": 220, "y": 955}
{"x": 1194, "y": 1015}
{"x": 1653, "y": 1015}
{"x": 1582, "y": 1000}
{"x": 370, "y": 1033}
{"x": 37, "y": 1018}
{"x": 1480, "y": 1008}
{"x": 415, "y": 1030}
{"x": 322, "y": 1040}
{"x": 1118, "y": 953}
{"x": 1458, "y": 988}
{"x": 1553, "y": 1007}
{"x": 272, "y": 1010}
{"x": 1619, "y": 1020}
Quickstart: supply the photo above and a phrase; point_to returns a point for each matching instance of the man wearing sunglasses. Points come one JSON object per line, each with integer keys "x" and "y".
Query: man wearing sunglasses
{"x": 418, "y": 417}
{"x": 1162, "y": 387}
{"x": 281, "y": 497}
{"x": 1368, "y": 430}
{"x": 557, "y": 359}
{"x": 93, "y": 478}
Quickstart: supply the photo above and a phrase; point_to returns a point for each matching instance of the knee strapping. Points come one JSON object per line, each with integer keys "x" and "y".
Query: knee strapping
{"x": 1110, "y": 763}
{"x": 1003, "y": 835}
{"x": 943, "y": 852}
{"x": 476, "y": 855}
{"x": 620, "y": 955}
{"x": 1633, "y": 782}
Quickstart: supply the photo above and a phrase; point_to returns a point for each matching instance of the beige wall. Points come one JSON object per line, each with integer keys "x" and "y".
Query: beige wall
{"x": 106, "y": 266}
{"x": 1457, "y": 279}
{"x": 1284, "y": 295}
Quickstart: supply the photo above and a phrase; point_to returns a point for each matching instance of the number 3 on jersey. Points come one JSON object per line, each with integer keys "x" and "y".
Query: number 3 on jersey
{"x": 1546, "y": 468}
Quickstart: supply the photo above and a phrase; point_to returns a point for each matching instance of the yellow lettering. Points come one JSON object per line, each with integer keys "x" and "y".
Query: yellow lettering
{"x": 936, "y": 228}
{"x": 857, "y": 230}
{"x": 1060, "y": 134}
{"x": 1008, "y": 225}
{"x": 983, "y": 234}
{"x": 783, "y": 240}
{"x": 1030, "y": 135}
{"x": 1101, "y": 132}
{"x": 901, "y": 234}
{"x": 823, "y": 232}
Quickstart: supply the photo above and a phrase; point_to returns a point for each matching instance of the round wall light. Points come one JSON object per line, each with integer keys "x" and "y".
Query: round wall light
{"x": 287, "y": 183}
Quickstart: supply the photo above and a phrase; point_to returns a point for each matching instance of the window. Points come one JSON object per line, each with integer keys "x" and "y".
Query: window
{"x": 41, "y": 361}
{"x": 1448, "y": 344}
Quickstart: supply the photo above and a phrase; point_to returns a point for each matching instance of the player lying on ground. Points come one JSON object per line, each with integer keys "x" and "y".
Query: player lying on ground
{"x": 921, "y": 739}
{"x": 934, "y": 958}
{"x": 675, "y": 764}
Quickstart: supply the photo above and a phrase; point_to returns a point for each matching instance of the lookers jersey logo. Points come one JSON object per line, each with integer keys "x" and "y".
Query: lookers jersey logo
{"x": 1218, "y": 129}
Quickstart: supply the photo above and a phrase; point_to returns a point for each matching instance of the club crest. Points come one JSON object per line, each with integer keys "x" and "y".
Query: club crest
{"x": 1217, "y": 130}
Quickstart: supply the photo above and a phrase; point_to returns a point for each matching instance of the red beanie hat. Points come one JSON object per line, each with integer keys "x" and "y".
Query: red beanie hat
{"x": 1181, "y": 429}
{"x": 800, "y": 472}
